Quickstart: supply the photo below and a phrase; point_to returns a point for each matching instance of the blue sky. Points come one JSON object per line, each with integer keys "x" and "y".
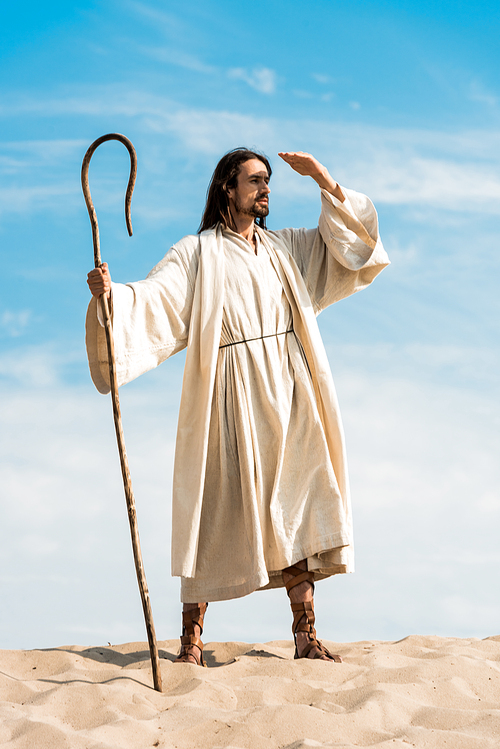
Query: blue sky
{"x": 400, "y": 101}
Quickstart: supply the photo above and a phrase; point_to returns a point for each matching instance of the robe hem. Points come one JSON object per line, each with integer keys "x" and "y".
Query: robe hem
{"x": 274, "y": 579}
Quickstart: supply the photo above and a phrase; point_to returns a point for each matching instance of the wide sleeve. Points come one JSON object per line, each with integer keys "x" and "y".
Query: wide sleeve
{"x": 150, "y": 320}
{"x": 344, "y": 254}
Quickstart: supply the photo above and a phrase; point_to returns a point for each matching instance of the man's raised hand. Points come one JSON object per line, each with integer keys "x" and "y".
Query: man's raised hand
{"x": 306, "y": 165}
{"x": 303, "y": 163}
{"x": 99, "y": 281}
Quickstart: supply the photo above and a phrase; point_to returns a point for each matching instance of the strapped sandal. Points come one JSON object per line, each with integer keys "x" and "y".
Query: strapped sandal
{"x": 189, "y": 638}
{"x": 304, "y": 618}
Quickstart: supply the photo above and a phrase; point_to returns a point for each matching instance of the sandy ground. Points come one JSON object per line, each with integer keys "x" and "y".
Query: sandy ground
{"x": 432, "y": 692}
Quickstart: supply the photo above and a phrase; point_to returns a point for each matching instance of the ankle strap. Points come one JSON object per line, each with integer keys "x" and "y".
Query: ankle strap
{"x": 303, "y": 617}
{"x": 192, "y": 617}
{"x": 299, "y": 576}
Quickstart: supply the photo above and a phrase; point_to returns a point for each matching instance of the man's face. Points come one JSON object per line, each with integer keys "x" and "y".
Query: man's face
{"x": 250, "y": 196}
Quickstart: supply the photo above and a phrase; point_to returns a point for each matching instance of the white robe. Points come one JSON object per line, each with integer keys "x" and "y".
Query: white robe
{"x": 260, "y": 477}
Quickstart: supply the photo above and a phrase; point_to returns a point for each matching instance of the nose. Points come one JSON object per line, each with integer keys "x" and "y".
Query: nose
{"x": 266, "y": 189}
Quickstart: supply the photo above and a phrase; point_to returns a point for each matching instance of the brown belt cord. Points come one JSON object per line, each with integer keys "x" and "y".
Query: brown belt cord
{"x": 247, "y": 340}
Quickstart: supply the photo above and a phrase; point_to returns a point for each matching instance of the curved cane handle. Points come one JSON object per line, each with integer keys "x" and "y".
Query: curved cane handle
{"x": 86, "y": 188}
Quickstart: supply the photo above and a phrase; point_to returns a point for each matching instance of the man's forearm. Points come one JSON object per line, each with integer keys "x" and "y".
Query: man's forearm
{"x": 326, "y": 182}
{"x": 308, "y": 166}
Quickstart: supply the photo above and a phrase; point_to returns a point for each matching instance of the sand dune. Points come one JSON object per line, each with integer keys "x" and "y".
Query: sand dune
{"x": 430, "y": 692}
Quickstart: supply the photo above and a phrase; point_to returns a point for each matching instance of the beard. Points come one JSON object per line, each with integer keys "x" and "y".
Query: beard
{"x": 255, "y": 211}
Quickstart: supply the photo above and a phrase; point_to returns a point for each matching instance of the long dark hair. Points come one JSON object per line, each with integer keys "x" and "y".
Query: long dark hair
{"x": 226, "y": 175}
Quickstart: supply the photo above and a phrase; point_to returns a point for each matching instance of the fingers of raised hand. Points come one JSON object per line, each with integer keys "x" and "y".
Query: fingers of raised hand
{"x": 301, "y": 162}
{"x": 295, "y": 156}
{"x": 290, "y": 154}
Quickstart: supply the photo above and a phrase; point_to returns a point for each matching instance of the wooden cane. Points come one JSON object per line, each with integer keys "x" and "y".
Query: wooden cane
{"x": 127, "y": 482}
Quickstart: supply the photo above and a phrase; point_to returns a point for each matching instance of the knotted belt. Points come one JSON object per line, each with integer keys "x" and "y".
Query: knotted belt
{"x": 259, "y": 338}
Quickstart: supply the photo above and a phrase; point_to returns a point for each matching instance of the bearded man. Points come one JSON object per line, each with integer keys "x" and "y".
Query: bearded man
{"x": 260, "y": 494}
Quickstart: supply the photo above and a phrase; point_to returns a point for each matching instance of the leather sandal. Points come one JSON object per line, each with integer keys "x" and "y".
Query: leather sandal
{"x": 189, "y": 639}
{"x": 304, "y": 618}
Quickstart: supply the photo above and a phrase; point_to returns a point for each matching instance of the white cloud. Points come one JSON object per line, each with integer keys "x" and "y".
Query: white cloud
{"x": 470, "y": 366}
{"x": 177, "y": 57}
{"x": 478, "y": 92}
{"x": 167, "y": 22}
{"x": 35, "y": 175}
{"x": 104, "y": 101}
{"x": 425, "y": 476}
{"x": 37, "y": 546}
{"x": 23, "y": 156}
{"x": 25, "y": 200}
{"x": 322, "y": 78}
{"x": 211, "y": 132}
{"x": 14, "y": 324}
{"x": 302, "y": 94}
{"x": 425, "y": 480}
{"x": 455, "y": 186}
{"x": 261, "y": 79}
{"x": 455, "y": 173}
{"x": 38, "y": 366}
{"x": 64, "y": 536}
{"x": 420, "y": 169}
